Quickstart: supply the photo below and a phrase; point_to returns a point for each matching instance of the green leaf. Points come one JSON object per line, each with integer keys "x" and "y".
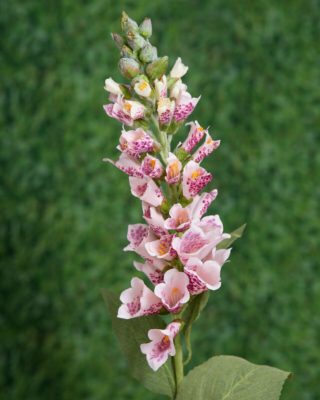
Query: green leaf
{"x": 130, "y": 334}
{"x": 190, "y": 315}
{"x": 234, "y": 236}
{"x": 157, "y": 68}
{"x": 232, "y": 378}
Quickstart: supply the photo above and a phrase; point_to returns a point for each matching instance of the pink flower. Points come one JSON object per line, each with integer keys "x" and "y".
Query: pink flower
{"x": 202, "y": 275}
{"x": 173, "y": 291}
{"x": 153, "y": 269}
{"x": 220, "y": 256}
{"x": 146, "y": 189}
{"x": 127, "y": 164}
{"x": 115, "y": 110}
{"x": 207, "y": 148}
{"x": 138, "y": 235}
{"x": 185, "y": 104}
{"x": 193, "y": 243}
{"x": 125, "y": 111}
{"x": 165, "y": 110}
{"x": 154, "y": 219}
{"x": 206, "y": 275}
{"x": 138, "y": 300}
{"x": 200, "y": 204}
{"x": 194, "y": 179}
{"x": 135, "y": 142}
{"x": 161, "y": 248}
{"x": 173, "y": 169}
{"x": 180, "y": 218}
{"x": 152, "y": 167}
{"x": 195, "y": 134}
{"x": 161, "y": 87}
{"x": 161, "y": 345}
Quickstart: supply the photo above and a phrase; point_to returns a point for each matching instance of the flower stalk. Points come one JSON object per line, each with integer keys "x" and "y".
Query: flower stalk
{"x": 177, "y": 244}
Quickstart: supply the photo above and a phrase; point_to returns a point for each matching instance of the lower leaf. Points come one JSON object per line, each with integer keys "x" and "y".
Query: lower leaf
{"x": 232, "y": 378}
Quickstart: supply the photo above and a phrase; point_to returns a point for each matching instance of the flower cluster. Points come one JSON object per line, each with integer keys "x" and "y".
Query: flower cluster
{"x": 178, "y": 244}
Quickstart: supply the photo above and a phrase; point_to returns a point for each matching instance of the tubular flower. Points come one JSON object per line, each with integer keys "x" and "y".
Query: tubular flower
{"x": 135, "y": 142}
{"x": 173, "y": 169}
{"x": 152, "y": 167}
{"x": 138, "y": 300}
{"x": 184, "y": 106}
{"x": 161, "y": 345}
{"x": 146, "y": 189}
{"x": 195, "y": 134}
{"x": 206, "y": 149}
{"x": 194, "y": 179}
{"x": 173, "y": 292}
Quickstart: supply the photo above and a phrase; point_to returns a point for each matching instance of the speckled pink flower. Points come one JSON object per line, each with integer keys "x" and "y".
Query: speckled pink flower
{"x": 173, "y": 292}
{"x": 161, "y": 248}
{"x": 195, "y": 134}
{"x": 138, "y": 300}
{"x": 193, "y": 243}
{"x": 205, "y": 149}
{"x": 153, "y": 269}
{"x": 125, "y": 111}
{"x": 202, "y": 275}
{"x": 127, "y": 164}
{"x": 194, "y": 179}
{"x": 165, "y": 110}
{"x": 154, "y": 218}
{"x": 180, "y": 218}
{"x": 152, "y": 167}
{"x": 184, "y": 106}
{"x": 173, "y": 169}
{"x": 146, "y": 190}
{"x": 200, "y": 204}
{"x": 138, "y": 235}
{"x": 161, "y": 345}
{"x": 135, "y": 142}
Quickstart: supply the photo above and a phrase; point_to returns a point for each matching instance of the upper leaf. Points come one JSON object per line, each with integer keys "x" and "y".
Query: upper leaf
{"x": 131, "y": 333}
{"x": 232, "y": 378}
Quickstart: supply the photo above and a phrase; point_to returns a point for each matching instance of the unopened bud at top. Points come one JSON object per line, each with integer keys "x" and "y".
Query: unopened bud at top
{"x": 135, "y": 40}
{"x": 148, "y": 53}
{"x": 118, "y": 39}
{"x": 179, "y": 69}
{"x": 146, "y": 28}
{"x": 128, "y": 24}
{"x": 129, "y": 67}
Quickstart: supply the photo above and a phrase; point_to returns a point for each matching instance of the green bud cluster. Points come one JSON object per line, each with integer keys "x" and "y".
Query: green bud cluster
{"x": 138, "y": 56}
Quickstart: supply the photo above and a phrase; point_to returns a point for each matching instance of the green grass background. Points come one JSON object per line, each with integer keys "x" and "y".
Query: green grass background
{"x": 64, "y": 213}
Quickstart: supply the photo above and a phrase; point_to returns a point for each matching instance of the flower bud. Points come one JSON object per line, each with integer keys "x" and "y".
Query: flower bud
{"x": 135, "y": 40}
{"x": 145, "y": 28}
{"x": 157, "y": 68}
{"x": 112, "y": 87}
{"x": 179, "y": 69}
{"x": 118, "y": 39}
{"x": 128, "y": 24}
{"x": 129, "y": 67}
{"x": 127, "y": 52}
{"x": 142, "y": 88}
{"x": 148, "y": 53}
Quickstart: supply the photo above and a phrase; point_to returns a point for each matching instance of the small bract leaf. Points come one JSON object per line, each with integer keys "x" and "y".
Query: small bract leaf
{"x": 130, "y": 334}
{"x": 232, "y": 378}
{"x": 234, "y": 236}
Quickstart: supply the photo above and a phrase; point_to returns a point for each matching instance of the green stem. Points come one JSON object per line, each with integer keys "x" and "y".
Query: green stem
{"x": 178, "y": 363}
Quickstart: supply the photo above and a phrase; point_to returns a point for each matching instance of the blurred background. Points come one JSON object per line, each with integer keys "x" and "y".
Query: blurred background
{"x": 64, "y": 213}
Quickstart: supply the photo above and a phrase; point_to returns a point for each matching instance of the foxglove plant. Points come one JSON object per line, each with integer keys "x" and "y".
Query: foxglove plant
{"x": 182, "y": 250}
